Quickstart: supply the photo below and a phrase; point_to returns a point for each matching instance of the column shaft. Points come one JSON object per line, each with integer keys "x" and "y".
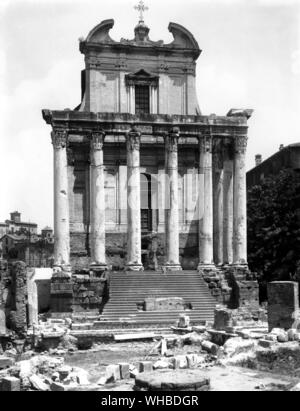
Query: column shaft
{"x": 61, "y": 201}
{"x": 205, "y": 203}
{"x": 227, "y": 208}
{"x": 171, "y": 212}
{"x": 134, "y": 261}
{"x": 239, "y": 203}
{"x": 218, "y": 207}
{"x": 97, "y": 201}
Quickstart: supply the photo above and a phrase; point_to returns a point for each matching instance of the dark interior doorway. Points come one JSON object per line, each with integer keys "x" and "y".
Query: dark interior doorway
{"x": 146, "y": 206}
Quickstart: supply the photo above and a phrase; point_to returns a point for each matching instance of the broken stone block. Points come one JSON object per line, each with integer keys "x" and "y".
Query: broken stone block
{"x": 282, "y": 337}
{"x": 101, "y": 381}
{"x": 3, "y": 330}
{"x": 161, "y": 364}
{"x": 237, "y": 345}
{"x": 179, "y": 361}
{"x": 222, "y": 319}
{"x": 57, "y": 386}
{"x": 5, "y": 362}
{"x": 283, "y": 303}
{"x": 265, "y": 343}
{"x": 163, "y": 347}
{"x": 64, "y": 372}
{"x": 124, "y": 370}
{"x": 292, "y": 334}
{"x": 184, "y": 321}
{"x": 38, "y": 383}
{"x": 145, "y": 366}
{"x": 112, "y": 373}
{"x": 210, "y": 347}
{"x": 192, "y": 360}
{"x": 11, "y": 384}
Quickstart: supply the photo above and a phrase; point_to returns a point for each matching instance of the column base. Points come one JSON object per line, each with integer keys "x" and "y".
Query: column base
{"x": 98, "y": 268}
{"x": 134, "y": 267}
{"x": 171, "y": 267}
{"x": 62, "y": 270}
{"x": 208, "y": 267}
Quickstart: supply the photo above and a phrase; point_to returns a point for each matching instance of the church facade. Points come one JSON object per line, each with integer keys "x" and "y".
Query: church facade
{"x": 142, "y": 179}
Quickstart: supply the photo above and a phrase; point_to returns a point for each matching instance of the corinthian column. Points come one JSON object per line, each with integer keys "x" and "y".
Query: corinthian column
{"x": 171, "y": 212}
{"x": 97, "y": 202}
{"x": 205, "y": 203}
{"x": 239, "y": 202}
{"x": 61, "y": 202}
{"x": 227, "y": 205}
{"x": 218, "y": 175}
{"x": 134, "y": 202}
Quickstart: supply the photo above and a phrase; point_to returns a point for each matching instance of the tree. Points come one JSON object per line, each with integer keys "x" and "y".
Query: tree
{"x": 274, "y": 226}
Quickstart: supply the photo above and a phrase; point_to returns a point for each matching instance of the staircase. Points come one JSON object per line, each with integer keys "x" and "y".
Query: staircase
{"x": 127, "y": 289}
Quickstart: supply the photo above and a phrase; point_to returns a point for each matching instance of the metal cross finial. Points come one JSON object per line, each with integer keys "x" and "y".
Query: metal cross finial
{"x": 141, "y": 8}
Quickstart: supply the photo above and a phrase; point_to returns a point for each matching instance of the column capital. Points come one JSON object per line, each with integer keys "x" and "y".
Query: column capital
{"x": 133, "y": 140}
{"x": 97, "y": 140}
{"x": 59, "y": 138}
{"x": 205, "y": 143}
{"x": 240, "y": 144}
{"x": 171, "y": 139}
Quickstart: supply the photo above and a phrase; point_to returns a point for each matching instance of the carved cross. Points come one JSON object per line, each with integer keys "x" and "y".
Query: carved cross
{"x": 141, "y": 8}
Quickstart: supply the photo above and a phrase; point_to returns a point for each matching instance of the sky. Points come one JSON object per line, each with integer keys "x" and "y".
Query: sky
{"x": 250, "y": 59}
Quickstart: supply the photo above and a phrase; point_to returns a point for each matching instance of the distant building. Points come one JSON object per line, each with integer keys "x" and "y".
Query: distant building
{"x": 3, "y": 229}
{"x": 47, "y": 234}
{"x": 19, "y": 241}
{"x": 287, "y": 157}
{"x": 15, "y": 225}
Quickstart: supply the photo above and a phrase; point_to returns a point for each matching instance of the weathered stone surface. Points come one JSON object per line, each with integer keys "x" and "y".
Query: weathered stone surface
{"x": 192, "y": 360}
{"x": 223, "y": 318}
{"x": 172, "y": 380}
{"x": 64, "y": 372}
{"x": 5, "y": 362}
{"x": 18, "y": 315}
{"x": 179, "y": 361}
{"x": 293, "y": 334}
{"x": 238, "y": 345}
{"x": 11, "y": 384}
{"x": 145, "y": 366}
{"x": 210, "y": 347}
{"x": 161, "y": 364}
{"x": 112, "y": 373}
{"x": 124, "y": 370}
{"x": 184, "y": 321}
{"x": 38, "y": 383}
{"x": 3, "y": 329}
{"x": 283, "y": 304}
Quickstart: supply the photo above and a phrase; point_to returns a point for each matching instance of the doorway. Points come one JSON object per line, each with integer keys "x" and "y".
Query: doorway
{"x": 146, "y": 206}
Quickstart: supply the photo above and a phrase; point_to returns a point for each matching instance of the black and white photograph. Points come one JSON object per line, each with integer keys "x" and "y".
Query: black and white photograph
{"x": 150, "y": 198}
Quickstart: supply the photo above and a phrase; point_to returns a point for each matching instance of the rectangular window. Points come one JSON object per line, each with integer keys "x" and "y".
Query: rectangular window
{"x": 142, "y": 103}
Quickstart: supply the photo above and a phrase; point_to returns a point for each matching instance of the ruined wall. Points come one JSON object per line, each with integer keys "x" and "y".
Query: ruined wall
{"x": 13, "y": 296}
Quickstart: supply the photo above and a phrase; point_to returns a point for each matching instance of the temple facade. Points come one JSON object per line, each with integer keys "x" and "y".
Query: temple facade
{"x": 142, "y": 179}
